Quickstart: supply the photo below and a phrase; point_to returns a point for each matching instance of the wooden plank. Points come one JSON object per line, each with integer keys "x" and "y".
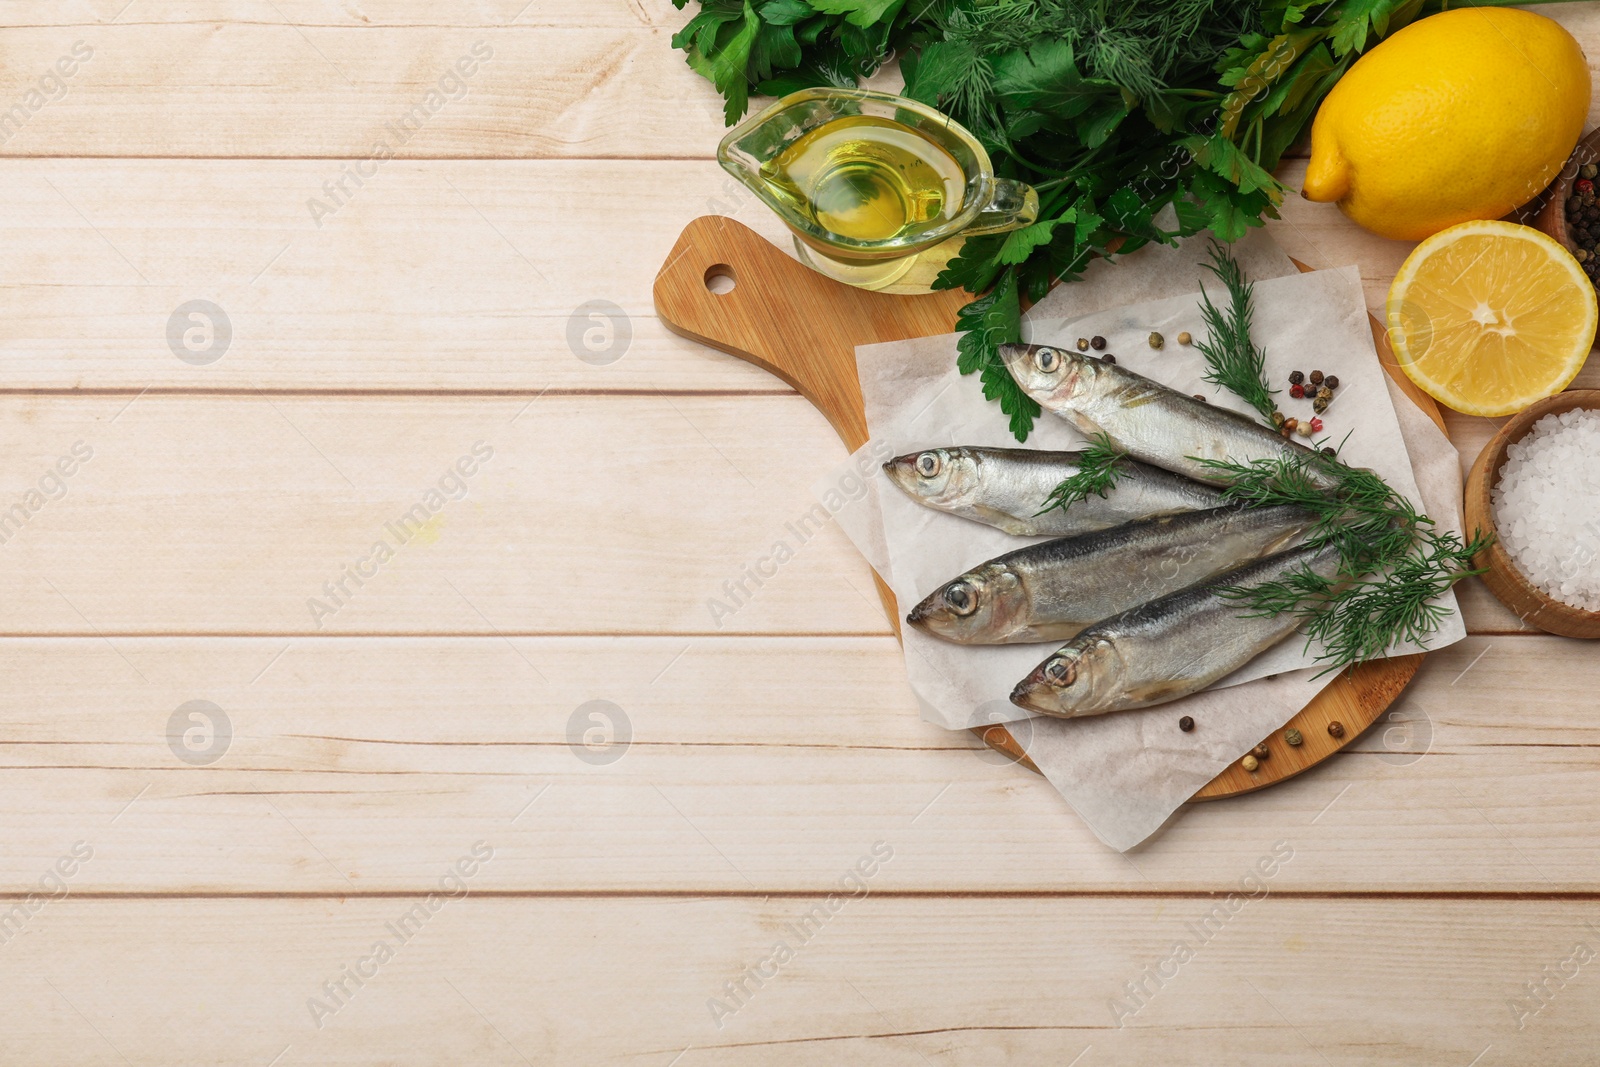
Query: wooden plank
{"x": 434, "y": 275}
{"x": 578, "y": 525}
{"x": 247, "y": 83}
{"x": 750, "y": 765}
{"x": 242, "y": 513}
{"x": 881, "y": 980}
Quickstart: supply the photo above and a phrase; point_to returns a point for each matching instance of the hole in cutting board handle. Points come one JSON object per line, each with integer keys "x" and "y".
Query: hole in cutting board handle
{"x": 720, "y": 279}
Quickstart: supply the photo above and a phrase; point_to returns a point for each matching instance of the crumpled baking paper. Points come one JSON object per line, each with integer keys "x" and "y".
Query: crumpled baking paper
{"x": 1127, "y": 772}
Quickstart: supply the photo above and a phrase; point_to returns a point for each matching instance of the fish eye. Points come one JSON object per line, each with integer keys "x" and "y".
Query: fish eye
{"x": 1060, "y": 671}
{"x": 928, "y": 464}
{"x": 959, "y": 597}
{"x": 1047, "y": 360}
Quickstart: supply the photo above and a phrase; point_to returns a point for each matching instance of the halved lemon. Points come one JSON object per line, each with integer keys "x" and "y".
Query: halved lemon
{"x": 1488, "y": 317}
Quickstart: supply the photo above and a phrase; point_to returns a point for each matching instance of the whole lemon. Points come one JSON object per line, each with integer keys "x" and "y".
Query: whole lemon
{"x": 1459, "y": 116}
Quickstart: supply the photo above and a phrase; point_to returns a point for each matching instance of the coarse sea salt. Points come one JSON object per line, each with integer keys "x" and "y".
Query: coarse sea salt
{"x": 1547, "y": 506}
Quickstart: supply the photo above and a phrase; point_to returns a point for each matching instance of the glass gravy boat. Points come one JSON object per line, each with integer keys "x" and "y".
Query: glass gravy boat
{"x": 873, "y": 185}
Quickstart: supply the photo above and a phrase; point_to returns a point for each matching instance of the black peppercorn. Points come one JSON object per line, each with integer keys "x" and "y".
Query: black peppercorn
{"x": 1316, "y": 377}
{"x": 1202, "y": 398}
{"x": 1108, "y": 358}
{"x": 1331, "y": 382}
{"x": 1296, "y": 377}
{"x": 1261, "y": 751}
{"x": 1097, "y": 342}
{"x": 1330, "y": 452}
{"x": 1186, "y": 724}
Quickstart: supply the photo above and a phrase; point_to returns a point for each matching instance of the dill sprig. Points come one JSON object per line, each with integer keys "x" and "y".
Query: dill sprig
{"x": 1099, "y": 467}
{"x": 1356, "y": 620}
{"x": 1232, "y": 360}
{"x": 1392, "y": 564}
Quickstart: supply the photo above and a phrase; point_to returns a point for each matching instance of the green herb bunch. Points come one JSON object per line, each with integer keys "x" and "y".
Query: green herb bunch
{"x": 1112, "y": 109}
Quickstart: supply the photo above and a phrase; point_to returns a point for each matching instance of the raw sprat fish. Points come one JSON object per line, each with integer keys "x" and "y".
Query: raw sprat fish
{"x": 1142, "y": 417}
{"x": 1167, "y": 648}
{"x": 1006, "y": 487}
{"x": 1052, "y": 590}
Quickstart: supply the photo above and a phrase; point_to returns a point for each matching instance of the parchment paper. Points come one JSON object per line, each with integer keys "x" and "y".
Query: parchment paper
{"x": 1126, "y": 773}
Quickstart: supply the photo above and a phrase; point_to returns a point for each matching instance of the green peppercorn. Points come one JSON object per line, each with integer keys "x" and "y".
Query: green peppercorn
{"x": 1277, "y": 420}
{"x": 1292, "y": 736}
{"x": 1296, "y": 377}
{"x": 1156, "y": 340}
{"x": 1083, "y": 344}
{"x": 1319, "y": 405}
{"x": 1336, "y": 729}
{"x": 1097, "y": 342}
{"x": 1324, "y": 393}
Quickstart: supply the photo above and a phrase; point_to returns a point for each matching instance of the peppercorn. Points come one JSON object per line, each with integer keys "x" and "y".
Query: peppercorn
{"x": 1083, "y": 344}
{"x": 1324, "y": 393}
{"x": 1202, "y": 398}
{"x": 1277, "y": 420}
{"x": 1304, "y": 429}
{"x": 1186, "y": 724}
{"x": 1184, "y": 338}
{"x": 1296, "y": 377}
{"x": 1316, "y": 425}
{"x": 1097, "y": 342}
{"x": 1583, "y": 256}
{"x": 1331, "y": 382}
{"x": 1297, "y": 391}
{"x": 1292, "y": 736}
{"x": 1319, "y": 405}
{"x": 1289, "y": 425}
{"x": 1588, "y": 170}
{"x": 1261, "y": 751}
{"x": 1585, "y": 186}
{"x": 1108, "y": 358}
{"x": 1156, "y": 340}
{"x": 1336, "y": 729}
{"x": 1316, "y": 377}
{"x": 1330, "y": 451}
{"x": 1250, "y": 763}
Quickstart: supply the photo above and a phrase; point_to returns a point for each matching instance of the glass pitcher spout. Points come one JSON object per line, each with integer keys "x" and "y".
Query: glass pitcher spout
{"x": 1012, "y": 205}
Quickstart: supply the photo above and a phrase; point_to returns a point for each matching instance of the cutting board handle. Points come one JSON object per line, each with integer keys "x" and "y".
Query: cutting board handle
{"x": 785, "y": 317}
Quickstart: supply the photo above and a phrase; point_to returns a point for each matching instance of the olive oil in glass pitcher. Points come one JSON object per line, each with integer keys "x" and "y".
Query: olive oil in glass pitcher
{"x": 878, "y": 190}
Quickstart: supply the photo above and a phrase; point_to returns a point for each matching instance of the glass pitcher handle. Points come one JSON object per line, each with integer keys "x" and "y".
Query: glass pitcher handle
{"x": 1012, "y": 205}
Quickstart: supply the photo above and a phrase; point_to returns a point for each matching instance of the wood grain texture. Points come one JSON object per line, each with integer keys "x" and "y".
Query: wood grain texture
{"x": 751, "y": 765}
{"x": 1277, "y": 981}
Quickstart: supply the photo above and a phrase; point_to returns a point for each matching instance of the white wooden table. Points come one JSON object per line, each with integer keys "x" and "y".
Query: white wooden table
{"x": 217, "y": 895}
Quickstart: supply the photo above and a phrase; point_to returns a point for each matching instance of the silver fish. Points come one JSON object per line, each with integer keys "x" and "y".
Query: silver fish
{"x": 1006, "y": 487}
{"x": 1052, "y": 590}
{"x": 1168, "y": 648}
{"x": 1144, "y": 418}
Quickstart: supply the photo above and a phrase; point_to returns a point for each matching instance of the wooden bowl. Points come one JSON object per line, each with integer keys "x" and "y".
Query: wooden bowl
{"x": 1531, "y": 603}
{"x": 1551, "y": 216}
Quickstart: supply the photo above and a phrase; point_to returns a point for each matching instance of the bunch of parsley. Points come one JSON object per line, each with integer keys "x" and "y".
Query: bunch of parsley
{"x": 1112, "y": 109}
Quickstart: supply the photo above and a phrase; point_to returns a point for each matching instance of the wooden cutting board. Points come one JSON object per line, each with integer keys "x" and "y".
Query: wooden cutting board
{"x": 726, "y": 286}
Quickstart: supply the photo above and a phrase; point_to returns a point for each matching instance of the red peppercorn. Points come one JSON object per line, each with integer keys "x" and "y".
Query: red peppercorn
{"x": 1297, "y": 391}
{"x": 1585, "y": 186}
{"x": 1316, "y": 425}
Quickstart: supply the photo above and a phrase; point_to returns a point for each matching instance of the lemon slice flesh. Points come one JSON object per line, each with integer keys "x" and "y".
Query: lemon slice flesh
{"x": 1489, "y": 317}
